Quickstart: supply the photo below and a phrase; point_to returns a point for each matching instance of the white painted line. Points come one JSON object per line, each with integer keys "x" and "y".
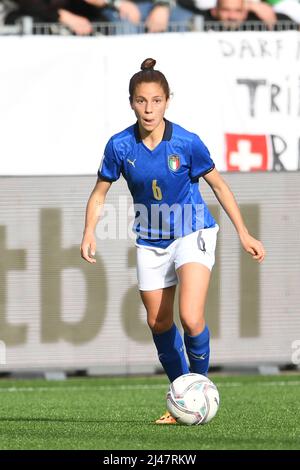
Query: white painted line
{"x": 136, "y": 387}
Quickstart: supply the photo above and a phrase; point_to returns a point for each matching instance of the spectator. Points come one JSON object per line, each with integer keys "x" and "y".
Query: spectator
{"x": 156, "y": 14}
{"x": 75, "y": 14}
{"x": 232, "y": 14}
{"x": 263, "y": 11}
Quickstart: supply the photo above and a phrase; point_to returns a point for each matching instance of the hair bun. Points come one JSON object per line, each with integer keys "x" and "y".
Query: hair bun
{"x": 148, "y": 64}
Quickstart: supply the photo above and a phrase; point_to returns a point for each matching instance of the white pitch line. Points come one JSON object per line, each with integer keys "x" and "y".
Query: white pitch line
{"x": 134, "y": 387}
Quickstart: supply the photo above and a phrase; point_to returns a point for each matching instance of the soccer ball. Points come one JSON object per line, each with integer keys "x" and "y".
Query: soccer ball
{"x": 193, "y": 399}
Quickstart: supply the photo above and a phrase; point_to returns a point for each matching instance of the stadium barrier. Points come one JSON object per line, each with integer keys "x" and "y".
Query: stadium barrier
{"x": 27, "y": 26}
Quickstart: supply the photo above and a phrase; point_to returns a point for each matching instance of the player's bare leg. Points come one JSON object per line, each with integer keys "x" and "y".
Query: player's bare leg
{"x": 193, "y": 286}
{"x": 159, "y": 306}
{"x": 194, "y": 282}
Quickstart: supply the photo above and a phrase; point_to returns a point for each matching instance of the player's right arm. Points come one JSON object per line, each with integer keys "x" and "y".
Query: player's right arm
{"x": 93, "y": 212}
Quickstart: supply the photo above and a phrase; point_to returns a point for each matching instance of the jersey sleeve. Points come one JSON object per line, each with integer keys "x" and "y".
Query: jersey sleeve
{"x": 201, "y": 162}
{"x": 111, "y": 164}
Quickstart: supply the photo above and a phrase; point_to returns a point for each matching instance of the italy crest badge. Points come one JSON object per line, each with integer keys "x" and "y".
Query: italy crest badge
{"x": 174, "y": 162}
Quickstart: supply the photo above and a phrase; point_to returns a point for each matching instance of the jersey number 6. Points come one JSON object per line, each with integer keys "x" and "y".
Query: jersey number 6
{"x": 156, "y": 191}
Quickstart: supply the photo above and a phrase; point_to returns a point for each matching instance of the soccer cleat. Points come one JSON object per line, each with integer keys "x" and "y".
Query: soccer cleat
{"x": 166, "y": 418}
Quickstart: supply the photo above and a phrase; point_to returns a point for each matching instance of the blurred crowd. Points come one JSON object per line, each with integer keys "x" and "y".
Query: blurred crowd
{"x": 79, "y": 16}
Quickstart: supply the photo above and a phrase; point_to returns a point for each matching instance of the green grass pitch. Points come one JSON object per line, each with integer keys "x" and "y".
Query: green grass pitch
{"x": 256, "y": 412}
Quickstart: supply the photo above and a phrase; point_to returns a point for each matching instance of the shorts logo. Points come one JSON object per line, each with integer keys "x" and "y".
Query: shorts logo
{"x": 174, "y": 162}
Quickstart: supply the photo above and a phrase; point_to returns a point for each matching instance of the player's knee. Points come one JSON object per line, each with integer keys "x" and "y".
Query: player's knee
{"x": 193, "y": 326}
{"x": 159, "y": 326}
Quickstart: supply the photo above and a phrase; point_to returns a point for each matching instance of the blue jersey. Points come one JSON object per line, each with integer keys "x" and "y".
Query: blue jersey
{"x": 163, "y": 182}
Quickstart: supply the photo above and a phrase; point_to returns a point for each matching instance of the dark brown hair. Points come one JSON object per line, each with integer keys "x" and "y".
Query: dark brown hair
{"x": 148, "y": 74}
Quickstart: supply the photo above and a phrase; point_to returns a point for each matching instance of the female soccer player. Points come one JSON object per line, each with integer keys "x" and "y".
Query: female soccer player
{"x": 176, "y": 234}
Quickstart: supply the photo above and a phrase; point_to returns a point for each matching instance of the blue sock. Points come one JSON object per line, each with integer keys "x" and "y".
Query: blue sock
{"x": 197, "y": 348}
{"x": 170, "y": 350}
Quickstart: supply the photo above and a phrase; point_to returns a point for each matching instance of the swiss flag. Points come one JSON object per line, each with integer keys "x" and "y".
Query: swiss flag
{"x": 246, "y": 152}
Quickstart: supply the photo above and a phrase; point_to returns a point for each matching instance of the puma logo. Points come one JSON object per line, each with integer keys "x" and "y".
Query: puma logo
{"x": 198, "y": 356}
{"x": 131, "y": 162}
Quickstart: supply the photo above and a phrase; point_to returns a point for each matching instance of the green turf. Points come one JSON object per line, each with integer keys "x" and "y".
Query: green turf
{"x": 256, "y": 412}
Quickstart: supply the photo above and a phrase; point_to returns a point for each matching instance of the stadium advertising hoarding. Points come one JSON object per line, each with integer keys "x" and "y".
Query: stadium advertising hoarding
{"x": 239, "y": 91}
{"x": 59, "y": 312}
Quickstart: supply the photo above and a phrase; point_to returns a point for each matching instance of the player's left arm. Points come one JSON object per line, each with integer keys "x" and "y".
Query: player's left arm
{"x": 226, "y": 198}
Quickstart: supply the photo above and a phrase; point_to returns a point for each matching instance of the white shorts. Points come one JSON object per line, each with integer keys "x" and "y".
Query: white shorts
{"x": 156, "y": 267}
